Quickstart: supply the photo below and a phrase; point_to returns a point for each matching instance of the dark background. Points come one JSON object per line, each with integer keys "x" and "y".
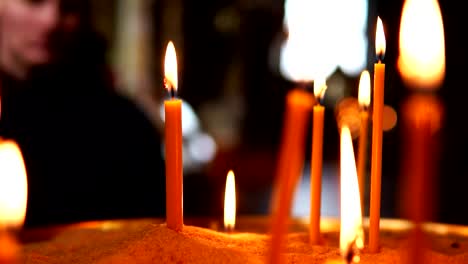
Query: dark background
{"x": 212, "y": 54}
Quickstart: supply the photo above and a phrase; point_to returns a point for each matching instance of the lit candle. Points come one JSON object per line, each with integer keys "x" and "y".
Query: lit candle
{"x": 421, "y": 64}
{"x": 297, "y": 67}
{"x": 13, "y": 186}
{"x": 291, "y": 160}
{"x": 316, "y": 162}
{"x": 377, "y": 134}
{"x": 364, "y": 101}
{"x": 230, "y": 202}
{"x": 173, "y": 142}
{"x": 351, "y": 229}
{"x": 13, "y": 200}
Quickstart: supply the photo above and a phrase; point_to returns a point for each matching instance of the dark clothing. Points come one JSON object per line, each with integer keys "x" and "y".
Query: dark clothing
{"x": 89, "y": 153}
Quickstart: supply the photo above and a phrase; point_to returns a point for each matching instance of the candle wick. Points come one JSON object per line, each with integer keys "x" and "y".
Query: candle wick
{"x": 169, "y": 87}
{"x": 172, "y": 91}
{"x": 229, "y": 229}
{"x": 320, "y": 98}
{"x": 351, "y": 253}
{"x": 380, "y": 57}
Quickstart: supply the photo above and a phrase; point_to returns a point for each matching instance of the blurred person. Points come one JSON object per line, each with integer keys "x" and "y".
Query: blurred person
{"x": 89, "y": 153}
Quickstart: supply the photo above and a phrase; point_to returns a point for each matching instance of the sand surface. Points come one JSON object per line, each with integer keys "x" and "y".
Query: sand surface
{"x": 144, "y": 242}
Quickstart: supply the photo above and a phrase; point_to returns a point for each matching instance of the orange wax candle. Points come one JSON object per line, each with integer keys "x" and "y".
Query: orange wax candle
{"x": 316, "y": 163}
{"x": 361, "y": 164}
{"x": 364, "y": 101}
{"x": 422, "y": 119}
{"x": 173, "y": 143}
{"x": 422, "y": 69}
{"x": 377, "y": 134}
{"x": 290, "y": 164}
{"x": 173, "y": 132}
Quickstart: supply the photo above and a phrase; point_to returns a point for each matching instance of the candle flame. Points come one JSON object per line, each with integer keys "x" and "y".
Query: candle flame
{"x": 13, "y": 186}
{"x": 320, "y": 86}
{"x": 230, "y": 202}
{"x": 364, "y": 89}
{"x": 170, "y": 67}
{"x": 304, "y": 58}
{"x": 422, "y": 44}
{"x": 351, "y": 233}
{"x": 380, "y": 43}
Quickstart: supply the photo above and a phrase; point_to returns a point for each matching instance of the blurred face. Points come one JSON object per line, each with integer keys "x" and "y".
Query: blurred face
{"x": 33, "y": 32}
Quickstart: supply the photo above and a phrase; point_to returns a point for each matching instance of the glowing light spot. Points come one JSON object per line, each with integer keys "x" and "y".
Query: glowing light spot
{"x": 202, "y": 148}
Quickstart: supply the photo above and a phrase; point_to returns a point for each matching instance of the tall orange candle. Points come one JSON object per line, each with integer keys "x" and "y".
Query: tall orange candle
{"x": 316, "y": 162}
{"x": 364, "y": 101}
{"x": 173, "y": 142}
{"x": 290, "y": 164}
{"x": 422, "y": 116}
{"x": 377, "y": 135}
{"x": 422, "y": 66}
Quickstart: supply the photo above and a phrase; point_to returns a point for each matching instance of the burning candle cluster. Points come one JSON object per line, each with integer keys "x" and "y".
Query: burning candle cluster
{"x": 352, "y": 177}
{"x": 417, "y": 69}
{"x": 422, "y": 67}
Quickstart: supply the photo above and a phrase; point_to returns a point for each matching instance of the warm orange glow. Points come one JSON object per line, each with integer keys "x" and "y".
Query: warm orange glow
{"x": 9, "y": 248}
{"x": 423, "y": 111}
{"x": 230, "y": 202}
{"x": 170, "y": 67}
{"x": 320, "y": 86}
{"x": 351, "y": 233}
{"x": 348, "y": 114}
{"x": 422, "y": 45}
{"x": 390, "y": 118}
{"x": 13, "y": 185}
{"x": 364, "y": 89}
{"x": 380, "y": 43}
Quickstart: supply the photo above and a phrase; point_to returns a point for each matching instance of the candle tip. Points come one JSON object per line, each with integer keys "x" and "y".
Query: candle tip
{"x": 320, "y": 86}
{"x": 364, "y": 93}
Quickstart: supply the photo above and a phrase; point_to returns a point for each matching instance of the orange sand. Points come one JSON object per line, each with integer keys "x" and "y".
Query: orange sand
{"x": 146, "y": 242}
